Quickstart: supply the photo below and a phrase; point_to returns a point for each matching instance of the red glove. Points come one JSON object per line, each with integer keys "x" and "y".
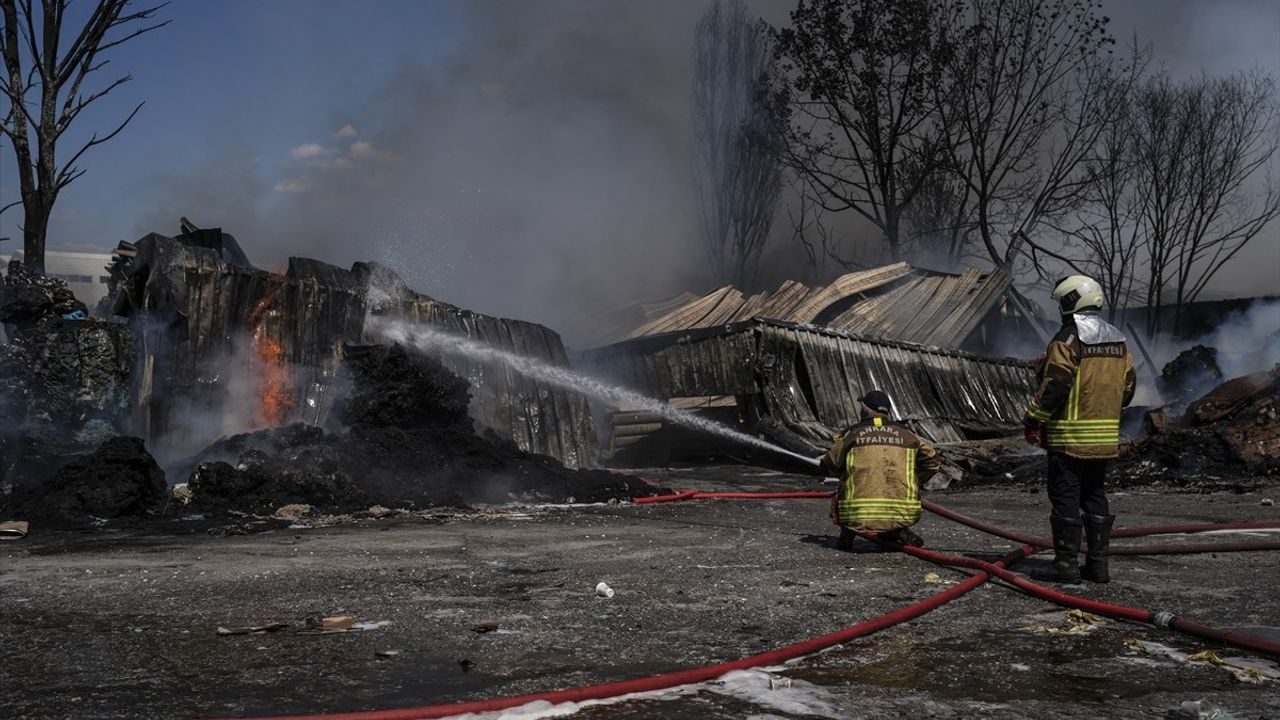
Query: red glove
{"x": 1034, "y": 431}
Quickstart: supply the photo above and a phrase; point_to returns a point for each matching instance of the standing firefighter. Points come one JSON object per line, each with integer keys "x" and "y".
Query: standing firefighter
{"x": 1086, "y": 379}
{"x": 882, "y": 467}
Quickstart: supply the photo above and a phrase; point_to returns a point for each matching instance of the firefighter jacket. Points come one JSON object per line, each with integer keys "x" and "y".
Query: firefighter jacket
{"x": 882, "y": 466}
{"x": 1086, "y": 379}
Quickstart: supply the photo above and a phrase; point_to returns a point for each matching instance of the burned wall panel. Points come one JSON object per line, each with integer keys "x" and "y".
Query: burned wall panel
{"x": 806, "y": 380}
{"x": 191, "y": 307}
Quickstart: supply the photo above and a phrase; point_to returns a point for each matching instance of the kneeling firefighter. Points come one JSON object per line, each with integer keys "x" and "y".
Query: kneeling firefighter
{"x": 1086, "y": 378}
{"x": 881, "y": 466}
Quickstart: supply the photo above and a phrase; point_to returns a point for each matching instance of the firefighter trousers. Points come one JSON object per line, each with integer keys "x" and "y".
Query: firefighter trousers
{"x": 1076, "y": 485}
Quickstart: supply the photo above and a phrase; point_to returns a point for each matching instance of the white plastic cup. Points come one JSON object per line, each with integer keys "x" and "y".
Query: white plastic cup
{"x": 604, "y": 591}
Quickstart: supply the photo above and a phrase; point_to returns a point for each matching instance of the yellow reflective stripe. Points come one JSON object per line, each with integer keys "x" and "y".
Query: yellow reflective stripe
{"x": 911, "y": 474}
{"x": 1086, "y": 423}
{"x": 907, "y": 517}
{"x": 1035, "y": 412}
{"x": 877, "y": 422}
{"x": 879, "y": 502}
{"x": 1073, "y": 400}
{"x": 1085, "y": 431}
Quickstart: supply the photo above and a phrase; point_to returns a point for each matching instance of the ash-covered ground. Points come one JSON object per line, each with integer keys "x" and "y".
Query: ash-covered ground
{"x": 120, "y": 623}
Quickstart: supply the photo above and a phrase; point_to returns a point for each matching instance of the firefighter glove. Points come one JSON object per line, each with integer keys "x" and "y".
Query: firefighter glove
{"x": 1033, "y": 430}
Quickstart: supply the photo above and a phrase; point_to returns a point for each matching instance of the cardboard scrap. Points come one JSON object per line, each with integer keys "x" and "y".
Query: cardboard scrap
{"x": 1078, "y": 622}
{"x": 1246, "y": 670}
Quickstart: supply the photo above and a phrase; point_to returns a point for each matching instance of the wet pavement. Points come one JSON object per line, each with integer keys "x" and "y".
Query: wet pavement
{"x": 121, "y": 623}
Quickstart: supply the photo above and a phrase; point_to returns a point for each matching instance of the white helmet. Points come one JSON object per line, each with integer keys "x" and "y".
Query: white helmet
{"x": 1077, "y": 292}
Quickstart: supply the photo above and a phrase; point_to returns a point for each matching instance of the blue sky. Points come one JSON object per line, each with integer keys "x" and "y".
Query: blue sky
{"x": 276, "y": 74}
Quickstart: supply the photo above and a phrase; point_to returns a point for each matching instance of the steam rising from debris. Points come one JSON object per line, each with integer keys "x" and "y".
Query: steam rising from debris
{"x": 1247, "y": 341}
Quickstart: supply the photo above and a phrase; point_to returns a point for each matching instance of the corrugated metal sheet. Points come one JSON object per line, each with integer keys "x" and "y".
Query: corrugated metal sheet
{"x": 188, "y": 305}
{"x": 893, "y": 301}
{"x": 807, "y": 378}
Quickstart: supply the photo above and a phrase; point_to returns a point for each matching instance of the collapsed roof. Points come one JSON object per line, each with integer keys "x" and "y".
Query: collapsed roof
{"x": 896, "y": 301}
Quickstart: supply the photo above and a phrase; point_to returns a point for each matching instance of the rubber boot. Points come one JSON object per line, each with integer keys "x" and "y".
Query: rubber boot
{"x": 845, "y": 541}
{"x": 1097, "y": 530}
{"x": 1066, "y": 549}
{"x": 905, "y": 536}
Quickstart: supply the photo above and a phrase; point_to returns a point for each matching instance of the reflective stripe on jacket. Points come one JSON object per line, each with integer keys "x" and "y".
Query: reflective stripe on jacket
{"x": 1086, "y": 380}
{"x": 882, "y": 467}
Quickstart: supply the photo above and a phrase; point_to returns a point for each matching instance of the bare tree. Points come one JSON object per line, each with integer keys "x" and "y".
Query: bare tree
{"x": 1107, "y": 224}
{"x": 864, "y": 130}
{"x": 39, "y": 60}
{"x": 939, "y": 222}
{"x": 736, "y": 163}
{"x": 1203, "y": 157}
{"x": 1032, "y": 90}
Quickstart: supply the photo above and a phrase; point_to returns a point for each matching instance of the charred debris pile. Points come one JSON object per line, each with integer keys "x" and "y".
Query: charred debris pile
{"x": 1227, "y": 438}
{"x": 408, "y": 443}
{"x": 401, "y": 430}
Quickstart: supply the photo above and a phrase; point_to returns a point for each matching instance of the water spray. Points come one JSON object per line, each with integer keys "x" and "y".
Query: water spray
{"x": 431, "y": 340}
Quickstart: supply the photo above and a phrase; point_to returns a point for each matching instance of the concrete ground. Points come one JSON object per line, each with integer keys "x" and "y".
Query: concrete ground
{"x": 121, "y": 623}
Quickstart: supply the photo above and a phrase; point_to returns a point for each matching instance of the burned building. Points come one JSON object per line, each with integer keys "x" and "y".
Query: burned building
{"x": 793, "y": 362}
{"x": 217, "y": 335}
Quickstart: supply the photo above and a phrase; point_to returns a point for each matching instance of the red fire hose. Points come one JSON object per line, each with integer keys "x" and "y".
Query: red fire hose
{"x": 986, "y": 570}
{"x": 1159, "y": 619}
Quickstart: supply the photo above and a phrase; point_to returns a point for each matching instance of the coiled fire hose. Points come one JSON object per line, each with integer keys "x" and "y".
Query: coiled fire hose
{"x": 986, "y": 570}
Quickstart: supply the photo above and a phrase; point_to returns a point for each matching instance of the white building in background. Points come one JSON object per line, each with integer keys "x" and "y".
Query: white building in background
{"x": 84, "y": 272}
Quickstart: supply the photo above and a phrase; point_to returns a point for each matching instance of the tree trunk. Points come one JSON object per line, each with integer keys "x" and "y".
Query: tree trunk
{"x": 35, "y": 227}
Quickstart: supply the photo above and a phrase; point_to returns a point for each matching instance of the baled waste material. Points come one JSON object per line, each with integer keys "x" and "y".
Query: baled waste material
{"x": 64, "y": 379}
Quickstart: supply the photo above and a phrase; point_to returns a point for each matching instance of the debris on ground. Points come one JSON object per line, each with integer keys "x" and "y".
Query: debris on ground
{"x": 485, "y": 627}
{"x": 1189, "y": 374}
{"x": 1226, "y": 439}
{"x": 1231, "y": 431}
{"x": 934, "y": 578}
{"x": 13, "y": 529}
{"x": 293, "y": 512}
{"x": 335, "y": 622}
{"x": 1075, "y": 622}
{"x": 603, "y": 590}
{"x": 1245, "y": 670}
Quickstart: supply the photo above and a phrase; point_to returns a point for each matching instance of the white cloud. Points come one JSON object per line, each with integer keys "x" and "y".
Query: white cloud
{"x": 292, "y": 185}
{"x": 347, "y": 132}
{"x": 307, "y": 151}
{"x": 362, "y": 149}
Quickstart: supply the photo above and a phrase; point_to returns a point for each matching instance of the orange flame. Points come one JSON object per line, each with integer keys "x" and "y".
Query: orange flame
{"x": 275, "y": 385}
